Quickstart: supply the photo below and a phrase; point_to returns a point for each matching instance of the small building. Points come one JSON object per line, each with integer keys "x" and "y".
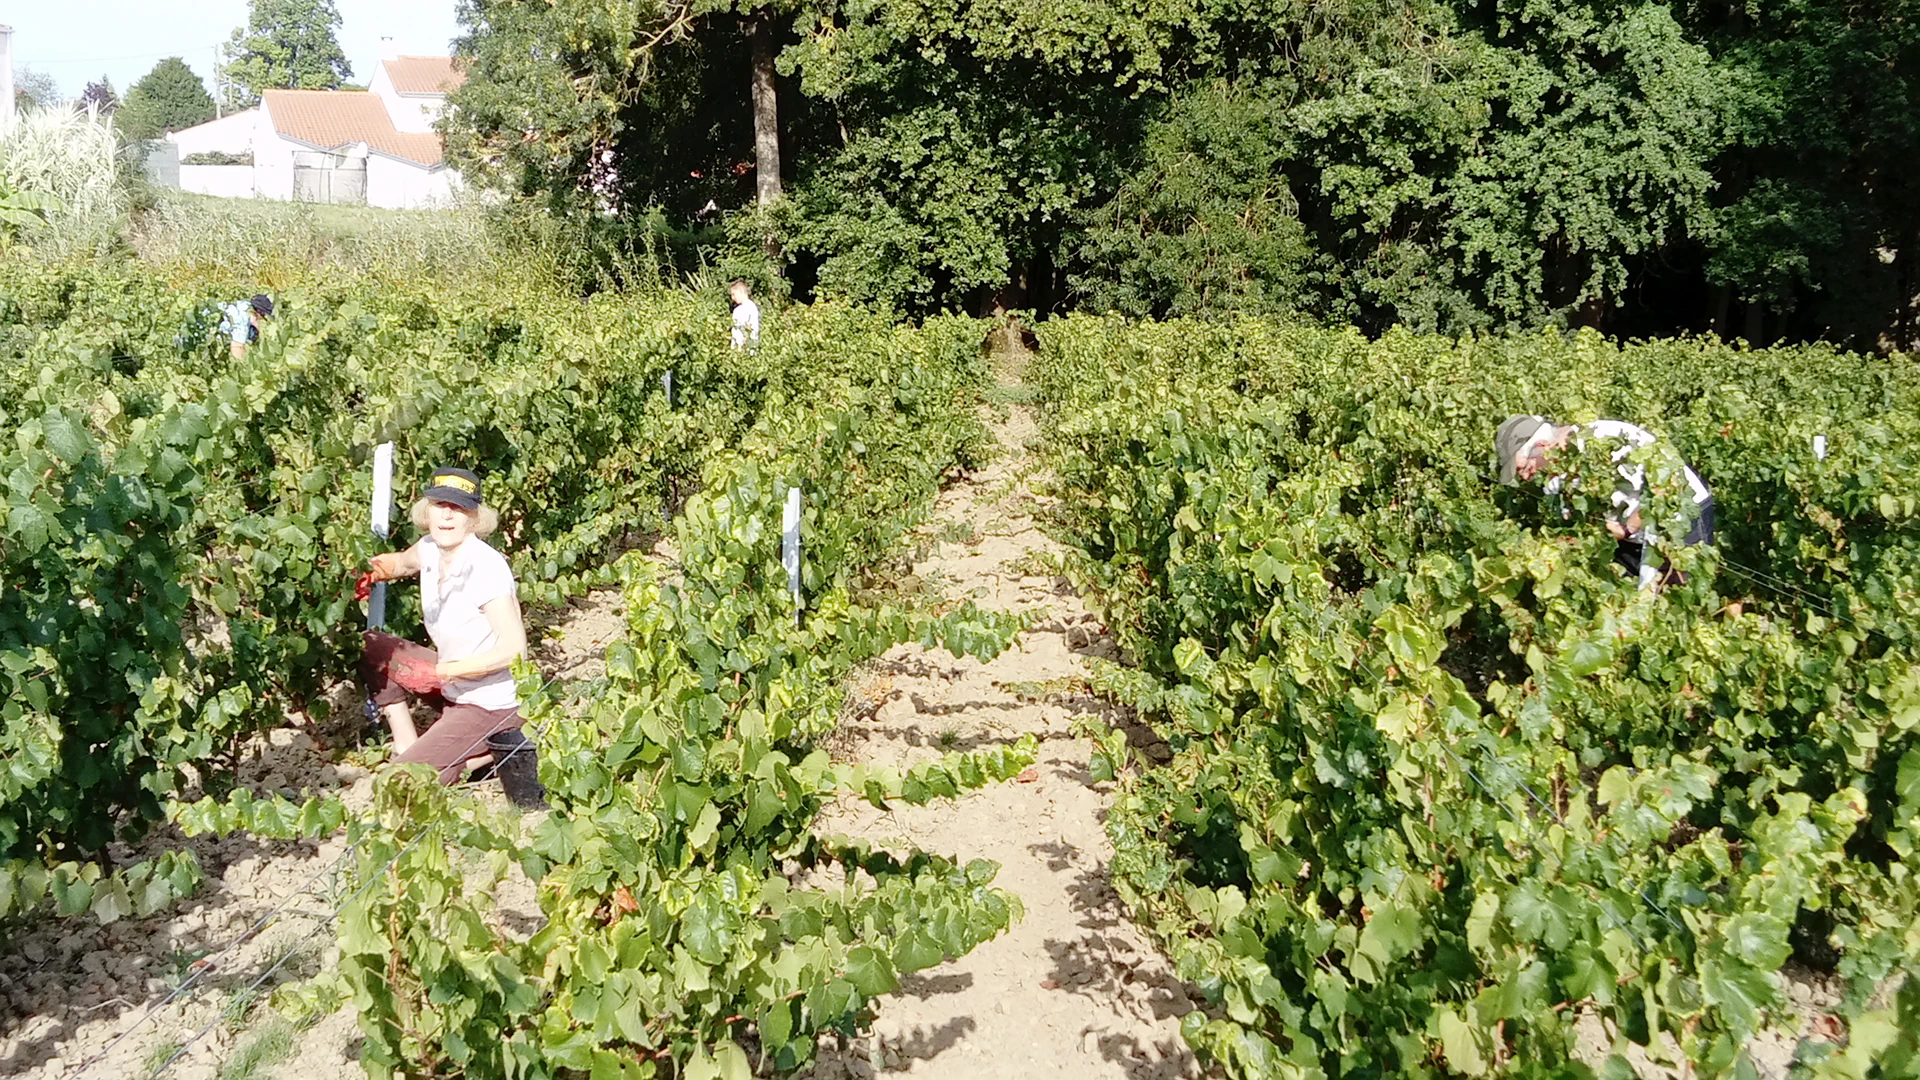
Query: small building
{"x": 375, "y": 147}
{"x": 231, "y": 135}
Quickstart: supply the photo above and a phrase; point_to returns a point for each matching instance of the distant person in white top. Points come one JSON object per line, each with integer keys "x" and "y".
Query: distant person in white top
{"x": 746, "y": 316}
{"x": 243, "y": 322}
{"x": 472, "y": 611}
{"x": 1523, "y": 443}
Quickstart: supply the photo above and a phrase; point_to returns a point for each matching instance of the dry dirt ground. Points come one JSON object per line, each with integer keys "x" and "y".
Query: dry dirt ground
{"x": 1074, "y": 989}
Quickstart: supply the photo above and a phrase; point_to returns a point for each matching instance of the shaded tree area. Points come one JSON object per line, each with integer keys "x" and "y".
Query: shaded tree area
{"x": 1645, "y": 168}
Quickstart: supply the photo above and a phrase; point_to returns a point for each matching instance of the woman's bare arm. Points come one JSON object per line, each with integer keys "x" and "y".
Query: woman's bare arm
{"x": 510, "y": 636}
{"x": 389, "y": 565}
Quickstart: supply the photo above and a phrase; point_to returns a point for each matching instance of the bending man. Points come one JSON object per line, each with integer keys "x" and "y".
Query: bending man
{"x": 243, "y": 322}
{"x": 1640, "y": 463}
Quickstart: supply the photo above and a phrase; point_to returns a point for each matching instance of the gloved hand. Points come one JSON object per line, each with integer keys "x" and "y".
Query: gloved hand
{"x": 385, "y": 566}
{"x": 417, "y": 676}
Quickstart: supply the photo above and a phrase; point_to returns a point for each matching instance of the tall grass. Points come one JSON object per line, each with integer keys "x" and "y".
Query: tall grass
{"x": 274, "y": 245}
{"x": 503, "y": 248}
{"x": 71, "y": 156}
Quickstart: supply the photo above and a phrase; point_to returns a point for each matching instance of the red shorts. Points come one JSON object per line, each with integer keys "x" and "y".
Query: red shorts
{"x": 459, "y": 733}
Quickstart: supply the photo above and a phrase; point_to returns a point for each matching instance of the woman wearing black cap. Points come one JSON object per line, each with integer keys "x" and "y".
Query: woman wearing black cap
{"x": 472, "y": 611}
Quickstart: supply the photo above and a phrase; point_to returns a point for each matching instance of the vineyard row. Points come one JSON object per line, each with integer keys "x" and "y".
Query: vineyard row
{"x": 1444, "y": 782}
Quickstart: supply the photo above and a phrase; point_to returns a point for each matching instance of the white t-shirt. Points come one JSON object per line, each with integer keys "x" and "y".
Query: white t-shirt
{"x": 1635, "y": 476}
{"x": 746, "y": 324}
{"x": 237, "y": 320}
{"x": 459, "y": 629}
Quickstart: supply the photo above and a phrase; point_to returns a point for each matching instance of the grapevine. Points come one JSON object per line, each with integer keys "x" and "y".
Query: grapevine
{"x": 692, "y": 911}
{"x": 177, "y": 525}
{"x": 1442, "y": 781}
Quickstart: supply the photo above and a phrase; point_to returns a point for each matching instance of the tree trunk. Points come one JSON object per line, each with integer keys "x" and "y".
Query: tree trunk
{"x": 1722, "y": 301}
{"x": 766, "y": 122}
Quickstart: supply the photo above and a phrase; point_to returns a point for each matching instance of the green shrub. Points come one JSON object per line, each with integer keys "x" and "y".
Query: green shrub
{"x": 70, "y": 156}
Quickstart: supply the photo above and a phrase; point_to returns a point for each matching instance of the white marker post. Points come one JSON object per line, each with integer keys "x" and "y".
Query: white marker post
{"x": 1820, "y": 448}
{"x": 790, "y": 548}
{"x": 379, "y": 516}
{"x": 666, "y": 383}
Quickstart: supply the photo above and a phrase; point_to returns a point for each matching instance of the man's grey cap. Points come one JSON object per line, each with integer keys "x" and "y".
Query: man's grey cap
{"x": 1514, "y": 434}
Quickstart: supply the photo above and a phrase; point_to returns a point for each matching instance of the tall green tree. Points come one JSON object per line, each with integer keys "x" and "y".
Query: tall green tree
{"x": 579, "y": 100}
{"x": 1208, "y": 220}
{"x": 286, "y": 44}
{"x": 1632, "y": 165}
{"x": 168, "y": 98}
{"x": 916, "y": 179}
{"x": 952, "y": 172}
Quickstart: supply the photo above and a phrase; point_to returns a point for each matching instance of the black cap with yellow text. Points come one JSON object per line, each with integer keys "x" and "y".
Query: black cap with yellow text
{"x": 456, "y": 486}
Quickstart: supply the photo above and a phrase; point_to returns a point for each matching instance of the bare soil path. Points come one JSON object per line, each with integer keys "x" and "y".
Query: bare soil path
{"x": 1074, "y": 989}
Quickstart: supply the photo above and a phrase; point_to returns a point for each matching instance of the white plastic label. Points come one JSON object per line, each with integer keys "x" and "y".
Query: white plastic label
{"x": 380, "y": 517}
{"x": 381, "y": 513}
{"x": 1820, "y": 447}
{"x": 790, "y": 546}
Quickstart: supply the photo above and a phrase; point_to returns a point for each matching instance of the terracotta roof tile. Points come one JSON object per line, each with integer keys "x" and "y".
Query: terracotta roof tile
{"x": 424, "y": 74}
{"x": 333, "y": 118}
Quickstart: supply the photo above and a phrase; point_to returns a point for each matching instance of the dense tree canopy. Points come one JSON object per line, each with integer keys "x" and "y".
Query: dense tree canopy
{"x": 1644, "y": 167}
{"x": 290, "y": 44}
{"x": 168, "y": 98}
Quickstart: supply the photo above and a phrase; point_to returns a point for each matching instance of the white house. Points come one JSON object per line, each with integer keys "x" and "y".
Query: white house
{"x": 414, "y": 90}
{"x": 375, "y": 146}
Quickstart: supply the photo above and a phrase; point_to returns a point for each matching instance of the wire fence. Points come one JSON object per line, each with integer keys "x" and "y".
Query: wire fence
{"x": 298, "y": 946}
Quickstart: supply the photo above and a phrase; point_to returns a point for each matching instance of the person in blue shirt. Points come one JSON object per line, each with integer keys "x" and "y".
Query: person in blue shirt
{"x": 243, "y": 321}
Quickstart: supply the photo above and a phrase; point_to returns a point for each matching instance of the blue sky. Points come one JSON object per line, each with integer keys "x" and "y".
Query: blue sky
{"x": 80, "y": 40}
